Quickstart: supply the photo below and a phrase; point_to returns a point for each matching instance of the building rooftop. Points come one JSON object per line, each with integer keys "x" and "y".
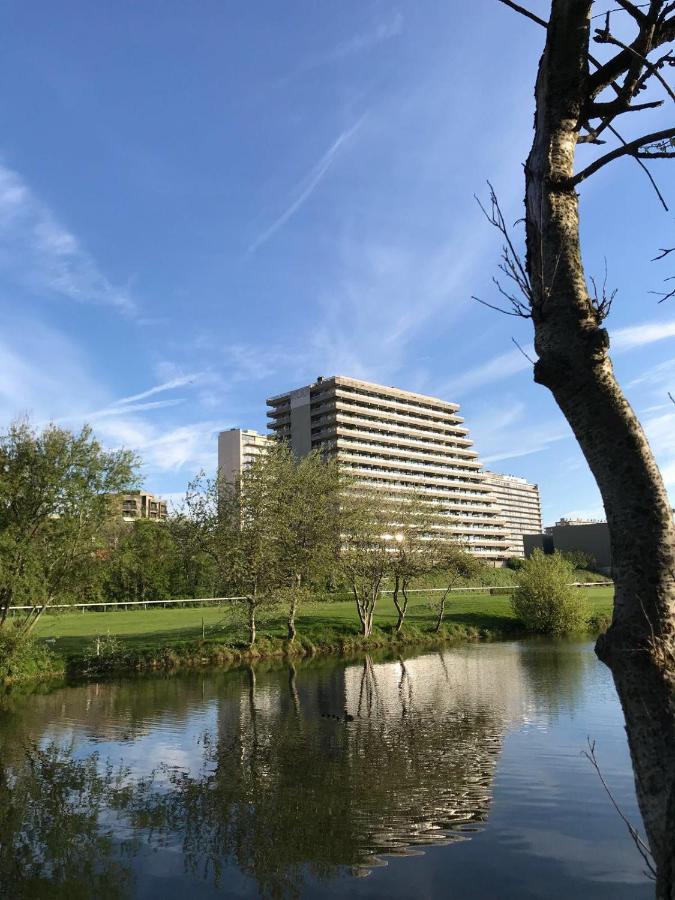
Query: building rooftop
{"x": 367, "y": 385}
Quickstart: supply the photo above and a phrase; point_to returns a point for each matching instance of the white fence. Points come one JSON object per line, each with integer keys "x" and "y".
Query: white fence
{"x": 210, "y": 601}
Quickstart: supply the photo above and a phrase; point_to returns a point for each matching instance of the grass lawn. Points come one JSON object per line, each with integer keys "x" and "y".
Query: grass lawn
{"x": 148, "y": 629}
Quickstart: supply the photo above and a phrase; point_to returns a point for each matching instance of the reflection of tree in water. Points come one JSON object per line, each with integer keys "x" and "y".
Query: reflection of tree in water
{"x": 555, "y": 677}
{"x": 52, "y": 839}
{"x": 284, "y": 795}
{"x": 288, "y": 787}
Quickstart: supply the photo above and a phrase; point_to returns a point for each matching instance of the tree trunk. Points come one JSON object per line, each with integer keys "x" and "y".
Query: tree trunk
{"x": 441, "y": 613}
{"x": 251, "y": 623}
{"x": 573, "y": 362}
{"x": 400, "y": 607}
{"x": 292, "y": 610}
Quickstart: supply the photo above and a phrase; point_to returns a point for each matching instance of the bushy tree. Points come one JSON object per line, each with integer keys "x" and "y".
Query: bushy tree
{"x": 365, "y": 552}
{"x": 545, "y": 601}
{"x": 273, "y": 533}
{"x": 140, "y": 561}
{"x": 55, "y": 496}
{"x": 413, "y": 546}
{"x": 455, "y": 565}
{"x": 306, "y": 521}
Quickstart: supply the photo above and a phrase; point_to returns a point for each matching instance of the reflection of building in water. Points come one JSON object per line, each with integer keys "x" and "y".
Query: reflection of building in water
{"x": 411, "y": 764}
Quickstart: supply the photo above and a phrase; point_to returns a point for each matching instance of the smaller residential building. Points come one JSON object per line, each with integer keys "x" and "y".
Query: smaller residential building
{"x": 141, "y": 505}
{"x": 520, "y": 507}
{"x": 237, "y": 447}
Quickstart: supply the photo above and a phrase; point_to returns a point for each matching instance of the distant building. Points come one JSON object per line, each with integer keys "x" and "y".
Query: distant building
{"x": 141, "y": 505}
{"x": 567, "y": 535}
{"x": 563, "y": 522}
{"x": 397, "y": 441}
{"x": 520, "y": 507}
{"x": 237, "y": 447}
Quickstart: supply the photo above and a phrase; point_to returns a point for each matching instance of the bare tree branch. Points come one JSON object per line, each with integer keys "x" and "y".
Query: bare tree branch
{"x": 644, "y": 169}
{"x": 525, "y": 12}
{"x": 629, "y": 149}
{"x": 620, "y": 63}
{"x": 642, "y": 848}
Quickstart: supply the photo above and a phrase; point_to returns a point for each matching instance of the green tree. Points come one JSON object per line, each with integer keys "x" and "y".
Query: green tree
{"x": 365, "y": 554}
{"x": 140, "y": 562}
{"x": 413, "y": 548}
{"x": 55, "y": 497}
{"x": 306, "y": 521}
{"x": 454, "y": 566}
{"x": 234, "y": 524}
{"x": 545, "y": 601}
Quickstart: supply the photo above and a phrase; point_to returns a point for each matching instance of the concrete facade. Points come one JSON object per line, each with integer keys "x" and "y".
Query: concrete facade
{"x": 397, "y": 440}
{"x": 236, "y": 448}
{"x": 141, "y": 505}
{"x": 520, "y": 507}
{"x": 588, "y": 537}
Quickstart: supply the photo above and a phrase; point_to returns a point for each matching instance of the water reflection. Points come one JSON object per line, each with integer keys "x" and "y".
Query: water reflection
{"x": 271, "y": 777}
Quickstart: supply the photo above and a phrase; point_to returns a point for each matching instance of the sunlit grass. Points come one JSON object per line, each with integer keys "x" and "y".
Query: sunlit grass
{"x": 148, "y": 629}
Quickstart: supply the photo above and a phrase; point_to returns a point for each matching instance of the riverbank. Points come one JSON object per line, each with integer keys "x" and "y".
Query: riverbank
{"x": 92, "y": 644}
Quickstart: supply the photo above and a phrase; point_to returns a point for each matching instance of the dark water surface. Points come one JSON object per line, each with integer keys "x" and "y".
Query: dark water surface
{"x": 457, "y": 774}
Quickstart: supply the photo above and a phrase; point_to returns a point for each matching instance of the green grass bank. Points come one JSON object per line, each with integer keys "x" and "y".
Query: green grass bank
{"x": 167, "y": 638}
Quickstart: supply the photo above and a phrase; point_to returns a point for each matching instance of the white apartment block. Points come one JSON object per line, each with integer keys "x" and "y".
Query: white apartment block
{"x": 237, "y": 447}
{"x": 397, "y": 441}
{"x": 520, "y": 506}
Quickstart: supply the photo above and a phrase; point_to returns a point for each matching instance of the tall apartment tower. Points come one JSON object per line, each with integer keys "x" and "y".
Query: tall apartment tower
{"x": 397, "y": 441}
{"x": 520, "y": 506}
{"x": 236, "y": 448}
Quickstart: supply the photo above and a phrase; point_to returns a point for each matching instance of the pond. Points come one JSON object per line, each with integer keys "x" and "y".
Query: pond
{"x": 449, "y": 774}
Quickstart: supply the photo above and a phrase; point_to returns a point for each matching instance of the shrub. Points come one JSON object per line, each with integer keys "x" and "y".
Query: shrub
{"x": 104, "y": 654}
{"x": 544, "y": 601}
{"x": 599, "y": 622}
{"x": 579, "y": 559}
{"x": 515, "y": 562}
{"x": 24, "y": 658}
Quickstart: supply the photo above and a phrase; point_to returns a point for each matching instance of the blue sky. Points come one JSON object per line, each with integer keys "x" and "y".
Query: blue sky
{"x": 205, "y": 204}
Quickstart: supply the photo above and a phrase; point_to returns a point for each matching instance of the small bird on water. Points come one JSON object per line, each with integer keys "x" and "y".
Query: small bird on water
{"x": 345, "y": 717}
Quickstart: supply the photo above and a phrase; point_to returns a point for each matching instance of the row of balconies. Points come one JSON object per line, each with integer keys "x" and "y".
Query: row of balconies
{"x": 388, "y": 411}
{"x": 397, "y": 396}
{"x": 405, "y": 462}
{"x": 393, "y": 428}
{"x": 356, "y": 462}
{"x": 387, "y": 415}
{"x": 427, "y": 447}
{"x": 450, "y": 457}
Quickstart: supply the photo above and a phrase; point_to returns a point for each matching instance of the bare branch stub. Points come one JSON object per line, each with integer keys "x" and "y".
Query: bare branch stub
{"x": 521, "y": 299}
{"x": 602, "y": 299}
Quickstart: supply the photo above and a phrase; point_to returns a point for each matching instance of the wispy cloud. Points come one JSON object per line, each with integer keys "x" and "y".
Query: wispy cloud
{"x": 495, "y": 369}
{"x": 513, "y": 362}
{"x": 179, "y": 381}
{"x": 307, "y": 186}
{"x": 366, "y": 40}
{"x": 41, "y": 254}
{"x": 642, "y": 334}
{"x": 503, "y": 432}
{"x": 660, "y": 431}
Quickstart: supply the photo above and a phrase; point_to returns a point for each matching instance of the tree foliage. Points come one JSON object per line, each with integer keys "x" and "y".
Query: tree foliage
{"x": 545, "y": 601}
{"x": 55, "y": 496}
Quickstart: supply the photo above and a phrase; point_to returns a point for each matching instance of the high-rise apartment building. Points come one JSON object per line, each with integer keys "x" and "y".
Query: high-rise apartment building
{"x": 520, "y": 507}
{"x": 236, "y": 448}
{"x": 397, "y": 441}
